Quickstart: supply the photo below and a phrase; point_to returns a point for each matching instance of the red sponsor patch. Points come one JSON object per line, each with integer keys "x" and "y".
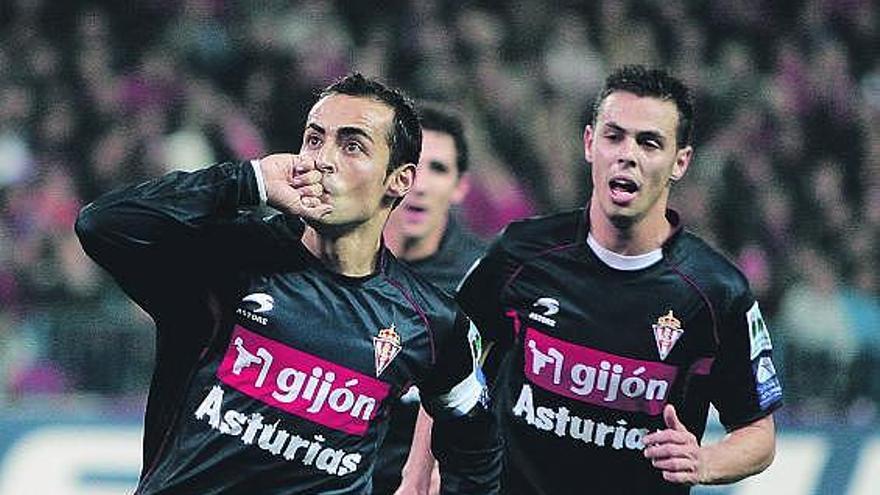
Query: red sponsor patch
{"x": 596, "y": 377}
{"x": 300, "y": 383}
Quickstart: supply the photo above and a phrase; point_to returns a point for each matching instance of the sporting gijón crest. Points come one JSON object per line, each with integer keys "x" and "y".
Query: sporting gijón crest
{"x": 386, "y": 346}
{"x": 667, "y": 331}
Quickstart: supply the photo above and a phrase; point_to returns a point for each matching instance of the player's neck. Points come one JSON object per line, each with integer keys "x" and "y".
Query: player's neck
{"x": 351, "y": 252}
{"x": 416, "y": 248}
{"x": 640, "y": 236}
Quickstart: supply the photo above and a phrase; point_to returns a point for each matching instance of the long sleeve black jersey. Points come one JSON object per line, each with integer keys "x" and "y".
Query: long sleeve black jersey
{"x": 274, "y": 374}
{"x": 586, "y": 356}
{"x": 457, "y": 252}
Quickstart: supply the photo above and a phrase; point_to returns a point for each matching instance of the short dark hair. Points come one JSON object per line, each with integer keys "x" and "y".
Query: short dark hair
{"x": 440, "y": 119}
{"x": 656, "y": 83}
{"x": 405, "y": 138}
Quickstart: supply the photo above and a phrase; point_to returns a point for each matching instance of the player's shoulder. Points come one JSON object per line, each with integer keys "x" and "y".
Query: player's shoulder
{"x": 707, "y": 266}
{"x": 272, "y": 239}
{"x": 265, "y": 226}
{"x": 535, "y": 235}
{"x": 427, "y": 298}
{"x": 468, "y": 244}
{"x": 461, "y": 243}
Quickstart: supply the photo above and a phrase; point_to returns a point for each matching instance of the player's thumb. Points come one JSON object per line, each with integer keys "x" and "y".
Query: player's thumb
{"x": 670, "y": 417}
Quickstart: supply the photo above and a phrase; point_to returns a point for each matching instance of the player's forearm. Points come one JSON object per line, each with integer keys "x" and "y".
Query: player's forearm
{"x": 420, "y": 463}
{"x": 152, "y": 233}
{"x": 464, "y": 436}
{"x": 742, "y": 453}
{"x": 143, "y": 215}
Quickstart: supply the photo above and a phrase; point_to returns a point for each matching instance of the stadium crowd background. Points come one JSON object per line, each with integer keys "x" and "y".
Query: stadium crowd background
{"x": 786, "y": 178}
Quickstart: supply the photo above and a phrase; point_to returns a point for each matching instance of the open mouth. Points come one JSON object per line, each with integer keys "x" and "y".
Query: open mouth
{"x": 623, "y": 190}
{"x": 623, "y": 185}
{"x": 414, "y": 214}
{"x": 415, "y": 209}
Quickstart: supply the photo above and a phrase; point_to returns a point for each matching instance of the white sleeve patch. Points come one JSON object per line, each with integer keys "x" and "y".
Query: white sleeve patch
{"x": 463, "y": 397}
{"x": 759, "y": 336}
{"x": 468, "y": 392}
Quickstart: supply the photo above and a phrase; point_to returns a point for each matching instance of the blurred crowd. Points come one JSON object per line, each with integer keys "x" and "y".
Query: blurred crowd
{"x": 786, "y": 179}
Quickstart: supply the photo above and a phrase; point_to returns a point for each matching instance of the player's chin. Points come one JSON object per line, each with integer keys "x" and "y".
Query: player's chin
{"x": 623, "y": 207}
{"x": 326, "y": 220}
{"x": 416, "y": 229}
{"x": 622, "y": 217}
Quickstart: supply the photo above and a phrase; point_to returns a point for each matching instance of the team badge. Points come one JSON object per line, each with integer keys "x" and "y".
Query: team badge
{"x": 386, "y": 346}
{"x": 667, "y": 330}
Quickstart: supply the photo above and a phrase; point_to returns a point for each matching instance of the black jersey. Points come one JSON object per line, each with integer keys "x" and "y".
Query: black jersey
{"x": 587, "y": 356}
{"x": 445, "y": 268}
{"x": 273, "y": 374}
{"x": 458, "y": 251}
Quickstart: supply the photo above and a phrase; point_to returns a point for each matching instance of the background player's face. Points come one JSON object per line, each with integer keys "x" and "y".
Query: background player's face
{"x": 347, "y": 136}
{"x": 437, "y": 187}
{"x": 634, "y": 156}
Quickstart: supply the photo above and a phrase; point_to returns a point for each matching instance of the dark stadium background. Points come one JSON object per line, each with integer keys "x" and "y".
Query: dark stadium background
{"x": 786, "y": 180}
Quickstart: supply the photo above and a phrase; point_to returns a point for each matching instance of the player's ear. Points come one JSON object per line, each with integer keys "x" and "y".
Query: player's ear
{"x": 462, "y": 188}
{"x": 400, "y": 180}
{"x": 682, "y": 162}
{"x": 588, "y": 143}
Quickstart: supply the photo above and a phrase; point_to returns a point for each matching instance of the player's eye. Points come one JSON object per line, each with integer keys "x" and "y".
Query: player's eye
{"x": 313, "y": 140}
{"x": 652, "y": 144}
{"x": 353, "y": 147}
{"x": 439, "y": 167}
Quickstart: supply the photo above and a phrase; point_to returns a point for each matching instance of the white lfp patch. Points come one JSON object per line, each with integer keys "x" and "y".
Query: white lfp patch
{"x": 767, "y": 384}
{"x": 759, "y": 336}
{"x": 475, "y": 342}
{"x": 765, "y": 370}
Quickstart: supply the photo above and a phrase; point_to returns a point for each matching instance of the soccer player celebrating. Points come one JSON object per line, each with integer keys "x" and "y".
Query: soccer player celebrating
{"x": 613, "y": 329}
{"x": 283, "y": 341}
{"x": 424, "y": 233}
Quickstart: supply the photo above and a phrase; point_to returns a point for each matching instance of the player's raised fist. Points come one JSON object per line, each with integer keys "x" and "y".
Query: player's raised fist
{"x": 293, "y": 185}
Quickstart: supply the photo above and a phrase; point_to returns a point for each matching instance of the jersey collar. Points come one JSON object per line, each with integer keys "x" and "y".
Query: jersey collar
{"x": 621, "y": 261}
{"x": 583, "y": 235}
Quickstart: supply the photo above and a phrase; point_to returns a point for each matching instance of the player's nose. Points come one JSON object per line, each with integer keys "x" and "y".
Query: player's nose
{"x": 420, "y": 185}
{"x": 627, "y": 153}
{"x": 325, "y": 159}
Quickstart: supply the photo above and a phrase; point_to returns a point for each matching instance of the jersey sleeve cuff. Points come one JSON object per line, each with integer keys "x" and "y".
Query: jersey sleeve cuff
{"x": 261, "y": 184}
{"x": 740, "y": 422}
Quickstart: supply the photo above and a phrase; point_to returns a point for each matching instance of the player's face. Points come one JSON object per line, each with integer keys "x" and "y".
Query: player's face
{"x": 634, "y": 156}
{"x": 347, "y": 138}
{"x": 437, "y": 186}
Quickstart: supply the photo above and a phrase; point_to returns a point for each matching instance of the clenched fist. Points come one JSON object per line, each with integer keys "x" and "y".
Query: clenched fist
{"x": 293, "y": 185}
